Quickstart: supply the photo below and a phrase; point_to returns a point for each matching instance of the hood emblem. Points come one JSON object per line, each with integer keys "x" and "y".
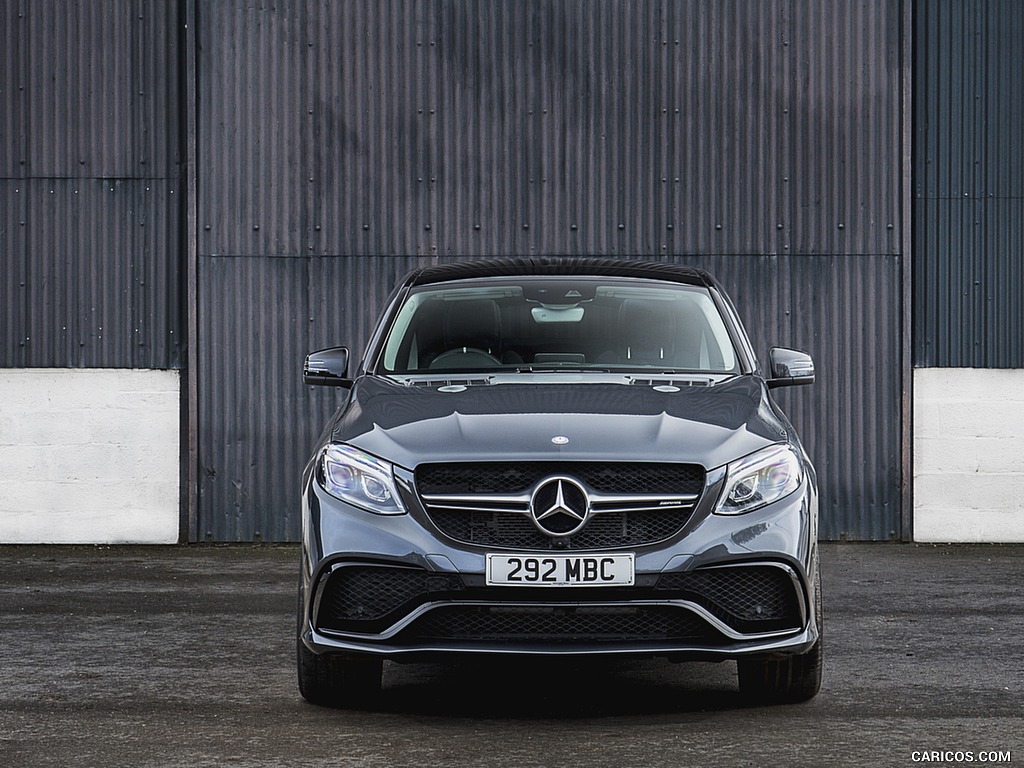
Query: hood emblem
{"x": 559, "y": 506}
{"x": 560, "y": 440}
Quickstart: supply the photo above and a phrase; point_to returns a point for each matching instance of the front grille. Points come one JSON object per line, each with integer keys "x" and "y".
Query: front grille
{"x": 488, "y": 504}
{"x": 551, "y": 624}
{"x": 753, "y": 598}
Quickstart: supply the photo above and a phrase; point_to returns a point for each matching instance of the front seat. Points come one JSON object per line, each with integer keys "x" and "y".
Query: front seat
{"x": 647, "y": 331}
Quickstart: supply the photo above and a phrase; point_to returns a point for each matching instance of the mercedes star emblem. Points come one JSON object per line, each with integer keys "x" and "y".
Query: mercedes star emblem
{"x": 560, "y": 506}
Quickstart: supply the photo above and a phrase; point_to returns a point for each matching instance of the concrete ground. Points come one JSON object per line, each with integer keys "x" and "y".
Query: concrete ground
{"x": 172, "y": 656}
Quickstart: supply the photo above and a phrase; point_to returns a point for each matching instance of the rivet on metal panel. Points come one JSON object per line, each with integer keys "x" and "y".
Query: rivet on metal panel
{"x": 476, "y": 227}
{"x": 317, "y": 227}
{"x": 366, "y": 227}
{"x": 670, "y": 226}
{"x": 256, "y": 227}
{"x": 718, "y": 226}
{"x": 526, "y": 226}
{"x": 842, "y": 226}
{"x": 427, "y": 227}
{"x": 573, "y": 227}
{"x": 778, "y": 226}
{"x": 622, "y": 226}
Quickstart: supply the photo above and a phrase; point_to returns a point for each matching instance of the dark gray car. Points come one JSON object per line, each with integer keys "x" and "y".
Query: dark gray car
{"x": 559, "y": 457}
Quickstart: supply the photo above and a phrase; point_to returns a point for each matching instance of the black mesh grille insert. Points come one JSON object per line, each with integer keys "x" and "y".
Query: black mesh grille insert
{"x": 544, "y": 624}
{"x": 755, "y": 598}
{"x": 613, "y": 529}
{"x": 604, "y": 477}
{"x": 370, "y": 598}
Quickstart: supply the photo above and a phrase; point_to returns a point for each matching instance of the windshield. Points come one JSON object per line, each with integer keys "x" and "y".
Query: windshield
{"x": 558, "y": 323}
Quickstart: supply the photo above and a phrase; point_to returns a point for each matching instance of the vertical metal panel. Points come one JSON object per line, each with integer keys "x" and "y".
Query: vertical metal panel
{"x": 969, "y": 184}
{"x": 91, "y": 273}
{"x": 343, "y": 142}
{"x": 441, "y": 127}
{"x": 843, "y": 312}
{"x": 92, "y": 89}
{"x": 258, "y": 420}
{"x": 89, "y": 191}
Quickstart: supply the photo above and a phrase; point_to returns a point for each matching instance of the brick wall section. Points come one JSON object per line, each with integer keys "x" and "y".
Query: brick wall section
{"x": 968, "y": 455}
{"x": 89, "y": 456}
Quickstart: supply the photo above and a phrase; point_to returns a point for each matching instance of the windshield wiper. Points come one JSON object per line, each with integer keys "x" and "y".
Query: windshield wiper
{"x": 555, "y": 368}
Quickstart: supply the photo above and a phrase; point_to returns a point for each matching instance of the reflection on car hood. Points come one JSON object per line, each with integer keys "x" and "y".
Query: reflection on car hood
{"x": 409, "y": 425}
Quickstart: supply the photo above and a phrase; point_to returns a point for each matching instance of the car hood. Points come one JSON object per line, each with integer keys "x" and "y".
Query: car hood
{"x": 409, "y": 425}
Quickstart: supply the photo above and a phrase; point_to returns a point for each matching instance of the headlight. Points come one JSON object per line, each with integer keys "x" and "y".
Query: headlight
{"x": 360, "y": 479}
{"x": 759, "y": 479}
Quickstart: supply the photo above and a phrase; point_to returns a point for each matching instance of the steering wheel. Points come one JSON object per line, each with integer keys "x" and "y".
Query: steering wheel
{"x": 465, "y": 357}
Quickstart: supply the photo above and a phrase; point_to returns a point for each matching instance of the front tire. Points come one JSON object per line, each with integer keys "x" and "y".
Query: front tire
{"x": 335, "y": 680}
{"x": 790, "y": 679}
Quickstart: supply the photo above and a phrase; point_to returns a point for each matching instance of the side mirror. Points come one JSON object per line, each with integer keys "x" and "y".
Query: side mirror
{"x": 790, "y": 367}
{"x": 327, "y": 368}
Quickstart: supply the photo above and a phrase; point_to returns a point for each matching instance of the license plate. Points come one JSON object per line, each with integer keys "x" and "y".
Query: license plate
{"x": 560, "y": 570}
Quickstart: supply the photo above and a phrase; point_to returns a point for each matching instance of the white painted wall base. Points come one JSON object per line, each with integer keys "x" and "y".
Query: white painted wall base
{"x": 89, "y": 456}
{"x": 968, "y": 455}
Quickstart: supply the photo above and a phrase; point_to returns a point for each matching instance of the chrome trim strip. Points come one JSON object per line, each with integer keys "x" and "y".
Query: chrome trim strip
{"x": 681, "y": 604}
{"x": 474, "y": 498}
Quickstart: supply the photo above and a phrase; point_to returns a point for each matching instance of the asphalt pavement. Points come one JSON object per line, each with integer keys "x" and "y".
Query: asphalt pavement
{"x": 184, "y": 656}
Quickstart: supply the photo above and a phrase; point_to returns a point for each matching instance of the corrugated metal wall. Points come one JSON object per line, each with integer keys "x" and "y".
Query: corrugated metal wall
{"x": 969, "y": 184}
{"x": 89, "y": 184}
{"x": 342, "y": 143}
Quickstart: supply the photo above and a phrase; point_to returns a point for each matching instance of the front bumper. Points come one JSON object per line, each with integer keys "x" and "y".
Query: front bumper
{"x": 395, "y": 586}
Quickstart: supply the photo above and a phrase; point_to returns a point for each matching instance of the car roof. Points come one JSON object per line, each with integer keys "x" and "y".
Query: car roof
{"x": 559, "y": 266}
